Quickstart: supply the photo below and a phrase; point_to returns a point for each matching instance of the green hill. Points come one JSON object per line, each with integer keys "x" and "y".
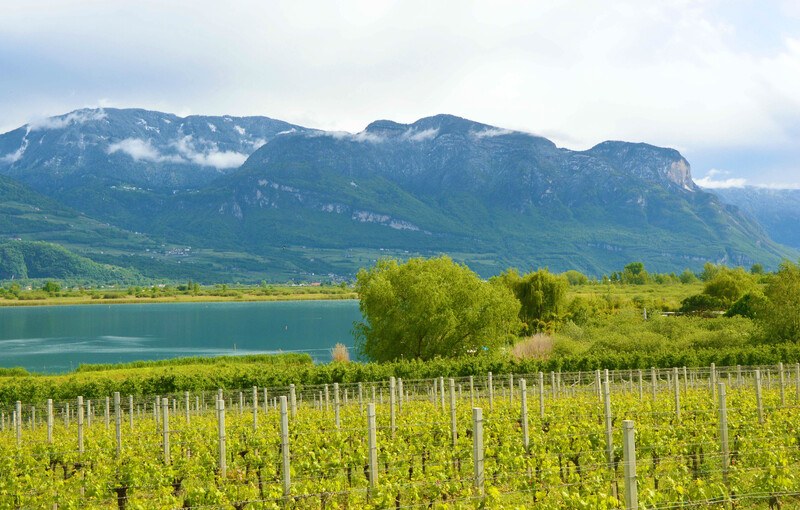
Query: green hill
{"x": 22, "y": 260}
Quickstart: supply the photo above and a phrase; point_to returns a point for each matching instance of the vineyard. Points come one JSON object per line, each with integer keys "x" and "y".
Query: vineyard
{"x": 720, "y": 437}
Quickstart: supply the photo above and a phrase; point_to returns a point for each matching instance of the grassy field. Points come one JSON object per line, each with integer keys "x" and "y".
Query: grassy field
{"x": 655, "y": 297}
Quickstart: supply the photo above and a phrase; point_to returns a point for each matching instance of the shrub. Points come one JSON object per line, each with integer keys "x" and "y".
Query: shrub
{"x": 340, "y": 353}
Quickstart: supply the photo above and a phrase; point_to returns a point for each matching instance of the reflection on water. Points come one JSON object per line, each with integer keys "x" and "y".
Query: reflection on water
{"x": 56, "y": 339}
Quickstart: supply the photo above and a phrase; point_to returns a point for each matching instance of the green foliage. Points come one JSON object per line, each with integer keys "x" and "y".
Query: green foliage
{"x": 728, "y": 285}
{"x": 51, "y": 287}
{"x": 750, "y": 305}
{"x": 13, "y": 372}
{"x": 702, "y": 303}
{"x": 687, "y": 276}
{"x": 723, "y": 288}
{"x": 423, "y": 464}
{"x": 710, "y": 270}
{"x": 635, "y": 274}
{"x": 780, "y": 317}
{"x": 583, "y": 308}
{"x": 542, "y": 296}
{"x": 575, "y": 277}
{"x": 427, "y": 308}
{"x": 26, "y": 259}
{"x": 284, "y": 359}
{"x": 622, "y": 344}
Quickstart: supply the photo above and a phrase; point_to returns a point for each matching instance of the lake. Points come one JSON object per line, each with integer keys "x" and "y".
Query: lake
{"x": 59, "y": 338}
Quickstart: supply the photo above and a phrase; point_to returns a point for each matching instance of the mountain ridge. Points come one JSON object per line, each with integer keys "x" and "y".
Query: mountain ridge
{"x": 309, "y": 201}
{"x": 778, "y": 210}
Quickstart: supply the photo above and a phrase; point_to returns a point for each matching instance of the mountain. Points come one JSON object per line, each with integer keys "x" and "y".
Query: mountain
{"x": 493, "y": 197}
{"x": 306, "y": 202}
{"x": 94, "y": 159}
{"x": 778, "y": 210}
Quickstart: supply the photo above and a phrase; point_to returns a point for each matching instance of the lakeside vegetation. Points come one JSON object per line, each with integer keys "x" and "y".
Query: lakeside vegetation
{"x": 565, "y": 322}
{"x": 52, "y": 293}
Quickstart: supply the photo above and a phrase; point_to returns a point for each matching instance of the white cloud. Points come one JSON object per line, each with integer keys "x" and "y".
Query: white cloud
{"x": 287, "y": 132}
{"x": 710, "y": 180}
{"x": 413, "y": 135}
{"x": 15, "y": 156}
{"x": 257, "y": 143}
{"x": 221, "y": 159}
{"x": 62, "y": 121}
{"x": 212, "y": 127}
{"x": 141, "y": 150}
{"x": 707, "y": 182}
{"x": 366, "y": 136}
{"x": 240, "y": 130}
{"x": 208, "y": 156}
{"x": 363, "y": 136}
{"x": 491, "y": 133}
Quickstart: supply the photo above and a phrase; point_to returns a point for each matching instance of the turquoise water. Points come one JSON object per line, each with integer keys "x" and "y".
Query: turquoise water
{"x": 59, "y": 338}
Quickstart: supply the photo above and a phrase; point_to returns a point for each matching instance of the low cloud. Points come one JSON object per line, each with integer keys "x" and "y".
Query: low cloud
{"x": 188, "y": 152}
{"x": 15, "y": 156}
{"x": 221, "y": 159}
{"x": 413, "y": 135}
{"x": 366, "y": 136}
{"x": 209, "y": 155}
{"x": 257, "y": 143}
{"x": 711, "y": 180}
{"x": 62, "y": 121}
{"x": 142, "y": 150}
{"x": 491, "y": 133}
{"x": 361, "y": 137}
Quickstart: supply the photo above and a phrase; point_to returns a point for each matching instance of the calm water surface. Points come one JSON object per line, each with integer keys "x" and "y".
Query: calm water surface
{"x": 59, "y": 338}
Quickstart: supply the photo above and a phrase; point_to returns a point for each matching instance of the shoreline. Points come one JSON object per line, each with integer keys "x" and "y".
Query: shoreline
{"x": 246, "y": 298}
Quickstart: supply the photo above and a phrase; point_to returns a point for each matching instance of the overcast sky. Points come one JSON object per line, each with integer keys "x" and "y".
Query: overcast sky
{"x": 719, "y": 81}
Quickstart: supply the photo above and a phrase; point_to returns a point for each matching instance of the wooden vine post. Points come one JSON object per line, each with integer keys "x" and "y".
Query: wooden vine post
{"x": 629, "y": 464}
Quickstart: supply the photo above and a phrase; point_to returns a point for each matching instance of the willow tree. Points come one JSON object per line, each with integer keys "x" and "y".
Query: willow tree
{"x": 426, "y": 308}
{"x": 542, "y": 296}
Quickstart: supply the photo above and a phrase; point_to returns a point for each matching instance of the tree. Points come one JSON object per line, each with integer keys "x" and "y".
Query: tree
{"x": 700, "y": 303}
{"x": 51, "y": 287}
{"x": 575, "y": 277}
{"x": 541, "y": 294}
{"x": 634, "y": 273}
{"x": 780, "y": 316}
{"x": 710, "y": 270}
{"x": 687, "y": 276}
{"x": 728, "y": 285}
{"x": 750, "y": 305}
{"x": 721, "y": 291}
{"x": 427, "y": 308}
